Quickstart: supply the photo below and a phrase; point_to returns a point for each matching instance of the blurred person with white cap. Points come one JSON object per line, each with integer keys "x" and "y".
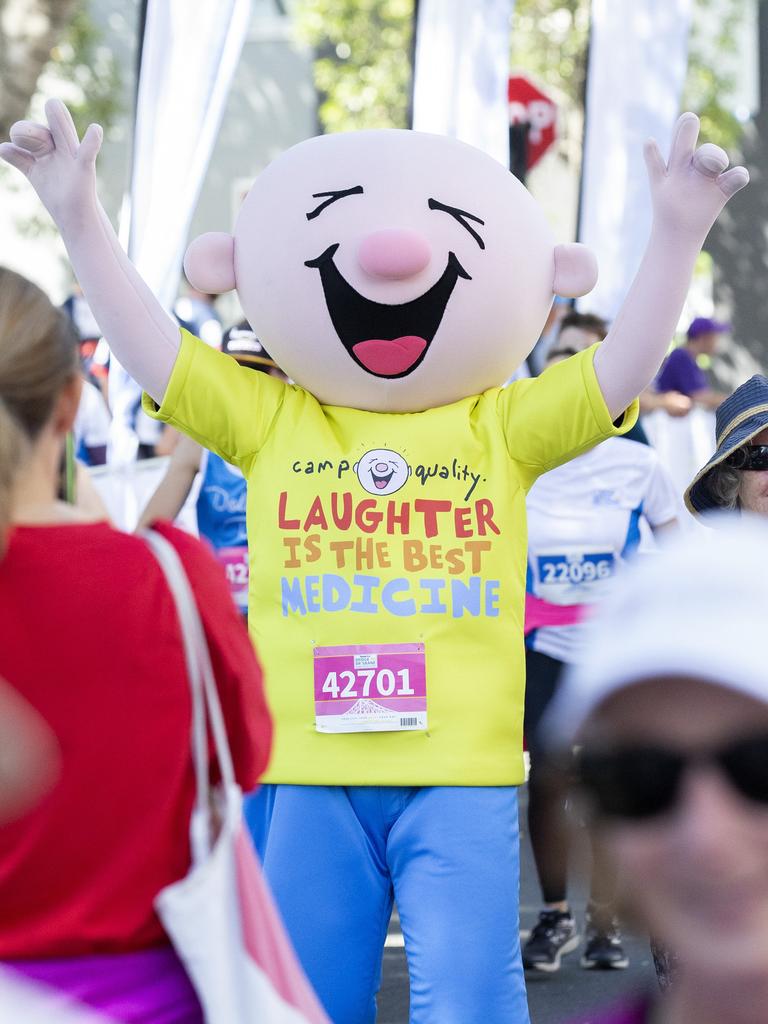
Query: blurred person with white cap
{"x": 669, "y": 708}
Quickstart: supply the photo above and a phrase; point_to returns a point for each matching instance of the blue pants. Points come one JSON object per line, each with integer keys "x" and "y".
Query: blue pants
{"x": 336, "y": 856}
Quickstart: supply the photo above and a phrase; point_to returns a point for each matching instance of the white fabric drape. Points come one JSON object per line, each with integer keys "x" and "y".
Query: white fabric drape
{"x": 461, "y": 72}
{"x": 637, "y": 64}
{"x": 188, "y": 60}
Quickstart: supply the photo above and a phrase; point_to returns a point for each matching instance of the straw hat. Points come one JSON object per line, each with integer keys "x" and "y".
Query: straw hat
{"x": 738, "y": 419}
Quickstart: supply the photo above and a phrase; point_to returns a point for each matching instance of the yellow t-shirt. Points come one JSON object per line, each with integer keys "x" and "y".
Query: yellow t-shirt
{"x": 386, "y": 529}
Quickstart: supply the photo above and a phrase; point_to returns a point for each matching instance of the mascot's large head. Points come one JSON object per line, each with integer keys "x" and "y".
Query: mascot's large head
{"x": 391, "y": 270}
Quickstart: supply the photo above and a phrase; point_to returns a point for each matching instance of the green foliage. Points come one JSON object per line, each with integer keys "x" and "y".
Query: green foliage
{"x": 84, "y": 72}
{"x": 363, "y": 75}
{"x": 92, "y": 74}
{"x": 713, "y": 38}
{"x": 549, "y": 41}
{"x": 362, "y": 70}
{"x": 550, "y": 37}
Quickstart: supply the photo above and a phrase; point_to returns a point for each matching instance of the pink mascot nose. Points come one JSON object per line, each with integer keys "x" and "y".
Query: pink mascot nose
{"x": 381, "y": 467}
{"x": 393, "y": 253}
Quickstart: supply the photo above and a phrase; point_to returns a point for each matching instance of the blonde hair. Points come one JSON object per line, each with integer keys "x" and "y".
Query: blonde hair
{"x": 38, "y": 357}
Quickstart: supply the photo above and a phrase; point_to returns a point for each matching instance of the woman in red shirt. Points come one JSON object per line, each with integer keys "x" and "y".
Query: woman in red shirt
{"x": 89, "y": 637}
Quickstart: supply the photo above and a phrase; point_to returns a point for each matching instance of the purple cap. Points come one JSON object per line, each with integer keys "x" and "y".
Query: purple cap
{"x": 706, "y": 325}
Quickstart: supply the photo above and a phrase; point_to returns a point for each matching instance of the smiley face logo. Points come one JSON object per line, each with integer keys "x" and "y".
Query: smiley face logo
{"x": 382, "y": 471}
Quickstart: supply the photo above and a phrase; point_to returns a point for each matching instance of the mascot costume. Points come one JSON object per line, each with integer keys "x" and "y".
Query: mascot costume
{"x": 399, "y": 279}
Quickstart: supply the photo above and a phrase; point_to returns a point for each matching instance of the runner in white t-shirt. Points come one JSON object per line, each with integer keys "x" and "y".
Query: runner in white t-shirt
{"x": 585, "y": 519}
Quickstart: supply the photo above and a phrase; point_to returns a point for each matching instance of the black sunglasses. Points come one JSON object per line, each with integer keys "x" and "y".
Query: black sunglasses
{"x": 644, "y": 781}
{"x": 749, "y": 456}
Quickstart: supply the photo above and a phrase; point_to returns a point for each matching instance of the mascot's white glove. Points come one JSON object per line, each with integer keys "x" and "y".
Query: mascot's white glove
{"x": 687, "y": 195}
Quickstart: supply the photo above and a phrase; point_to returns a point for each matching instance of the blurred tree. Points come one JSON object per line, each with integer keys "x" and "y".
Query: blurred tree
{"x": 549, "y": 43}
{"x": 83, "y": 70}
{"x": 28, "y": 31}
{"x": 57, "y": 40}
{"x": 739, "y": 244}
{"x": 362, "y": 69}
{"x": 363, "y": 76}
{"x": 709, "y": 85}
{"x": 550, "y": 39}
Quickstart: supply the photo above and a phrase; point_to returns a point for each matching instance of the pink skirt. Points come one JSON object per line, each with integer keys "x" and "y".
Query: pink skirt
{"x": 147, "y": 987}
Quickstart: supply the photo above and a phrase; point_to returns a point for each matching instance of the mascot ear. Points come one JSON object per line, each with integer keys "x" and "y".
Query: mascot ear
{"x": 209, "y": 263}
{"x": 575, "y": 270}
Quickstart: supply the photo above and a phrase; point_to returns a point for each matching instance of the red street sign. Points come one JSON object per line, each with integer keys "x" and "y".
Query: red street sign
{"x": 529, "y": 105}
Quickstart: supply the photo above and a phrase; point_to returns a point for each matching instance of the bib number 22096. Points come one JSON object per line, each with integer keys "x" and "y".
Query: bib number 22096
{"x": 362, "y": 688}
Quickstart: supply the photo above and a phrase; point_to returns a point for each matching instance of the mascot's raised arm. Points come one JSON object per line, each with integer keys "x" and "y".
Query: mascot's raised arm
{"x": 390, "y": 233}
{"x": 399, "y": 279}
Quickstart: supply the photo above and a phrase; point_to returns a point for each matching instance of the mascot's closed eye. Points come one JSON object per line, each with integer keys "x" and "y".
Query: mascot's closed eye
{"x": 435, "y": 204}
{"x": 332, "y": 197}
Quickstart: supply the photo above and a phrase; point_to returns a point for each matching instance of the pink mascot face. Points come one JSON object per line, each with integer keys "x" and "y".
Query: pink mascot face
{"x": 389, "y": 270}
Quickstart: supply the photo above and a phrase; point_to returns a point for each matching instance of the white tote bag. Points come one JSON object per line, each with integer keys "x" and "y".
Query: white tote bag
{"x": 221, "y": 917}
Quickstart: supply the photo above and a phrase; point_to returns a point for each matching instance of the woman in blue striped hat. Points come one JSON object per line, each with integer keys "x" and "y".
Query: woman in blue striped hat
{"x": 736, "y": 477}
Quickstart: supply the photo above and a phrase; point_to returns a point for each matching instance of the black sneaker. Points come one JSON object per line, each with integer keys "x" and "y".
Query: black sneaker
{"x": 603, "y": 950}
{"x": 554, "y": 935}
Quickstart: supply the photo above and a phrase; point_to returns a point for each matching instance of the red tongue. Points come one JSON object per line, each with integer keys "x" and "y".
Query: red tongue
{"x": 389, "y": 357}
{"x": 381, "y": 484}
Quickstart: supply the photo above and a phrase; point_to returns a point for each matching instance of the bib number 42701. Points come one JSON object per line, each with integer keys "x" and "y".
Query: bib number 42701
{"x": 370, "y": 688}
{"x": 367, "y": 682}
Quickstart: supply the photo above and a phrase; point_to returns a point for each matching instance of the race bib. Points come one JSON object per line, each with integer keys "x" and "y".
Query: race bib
{"x": 572, "y": 577}
{"x": 235, "y": 563}
{"x": 370, "y": 688}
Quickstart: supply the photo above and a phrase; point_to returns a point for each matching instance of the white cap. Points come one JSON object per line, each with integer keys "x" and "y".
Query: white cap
{"x": 699, "y": 608}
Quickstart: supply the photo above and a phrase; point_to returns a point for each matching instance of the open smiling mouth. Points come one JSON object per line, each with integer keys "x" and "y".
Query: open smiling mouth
{"x": 387, "y": 341}
{"x": 381, "y": 481}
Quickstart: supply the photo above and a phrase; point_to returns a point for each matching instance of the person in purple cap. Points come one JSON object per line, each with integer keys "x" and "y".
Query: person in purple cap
{"x": 681, "y": 371}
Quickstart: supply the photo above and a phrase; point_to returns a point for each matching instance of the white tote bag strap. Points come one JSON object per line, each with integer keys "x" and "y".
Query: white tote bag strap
{"x": 206, "y": 706}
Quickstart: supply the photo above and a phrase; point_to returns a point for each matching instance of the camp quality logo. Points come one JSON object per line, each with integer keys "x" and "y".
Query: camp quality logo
{"x": 382, "y": 471}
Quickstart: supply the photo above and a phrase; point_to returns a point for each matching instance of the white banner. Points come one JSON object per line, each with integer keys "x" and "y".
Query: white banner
{"x": 637, "y": 63}
{"x": 188, "y": 59}
{"x": 461, "y": 72}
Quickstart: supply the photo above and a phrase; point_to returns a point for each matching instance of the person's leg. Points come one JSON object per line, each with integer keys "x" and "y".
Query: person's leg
{"x": 555, "y": 932}
{"x": 548, "y": 829}
{"x": 604, "y": 886}
{"x": 603, "y": 948}
{"x": 323, "y": 850}
{"x": 547, "y": 822}
{"x": 453, "y": 855}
